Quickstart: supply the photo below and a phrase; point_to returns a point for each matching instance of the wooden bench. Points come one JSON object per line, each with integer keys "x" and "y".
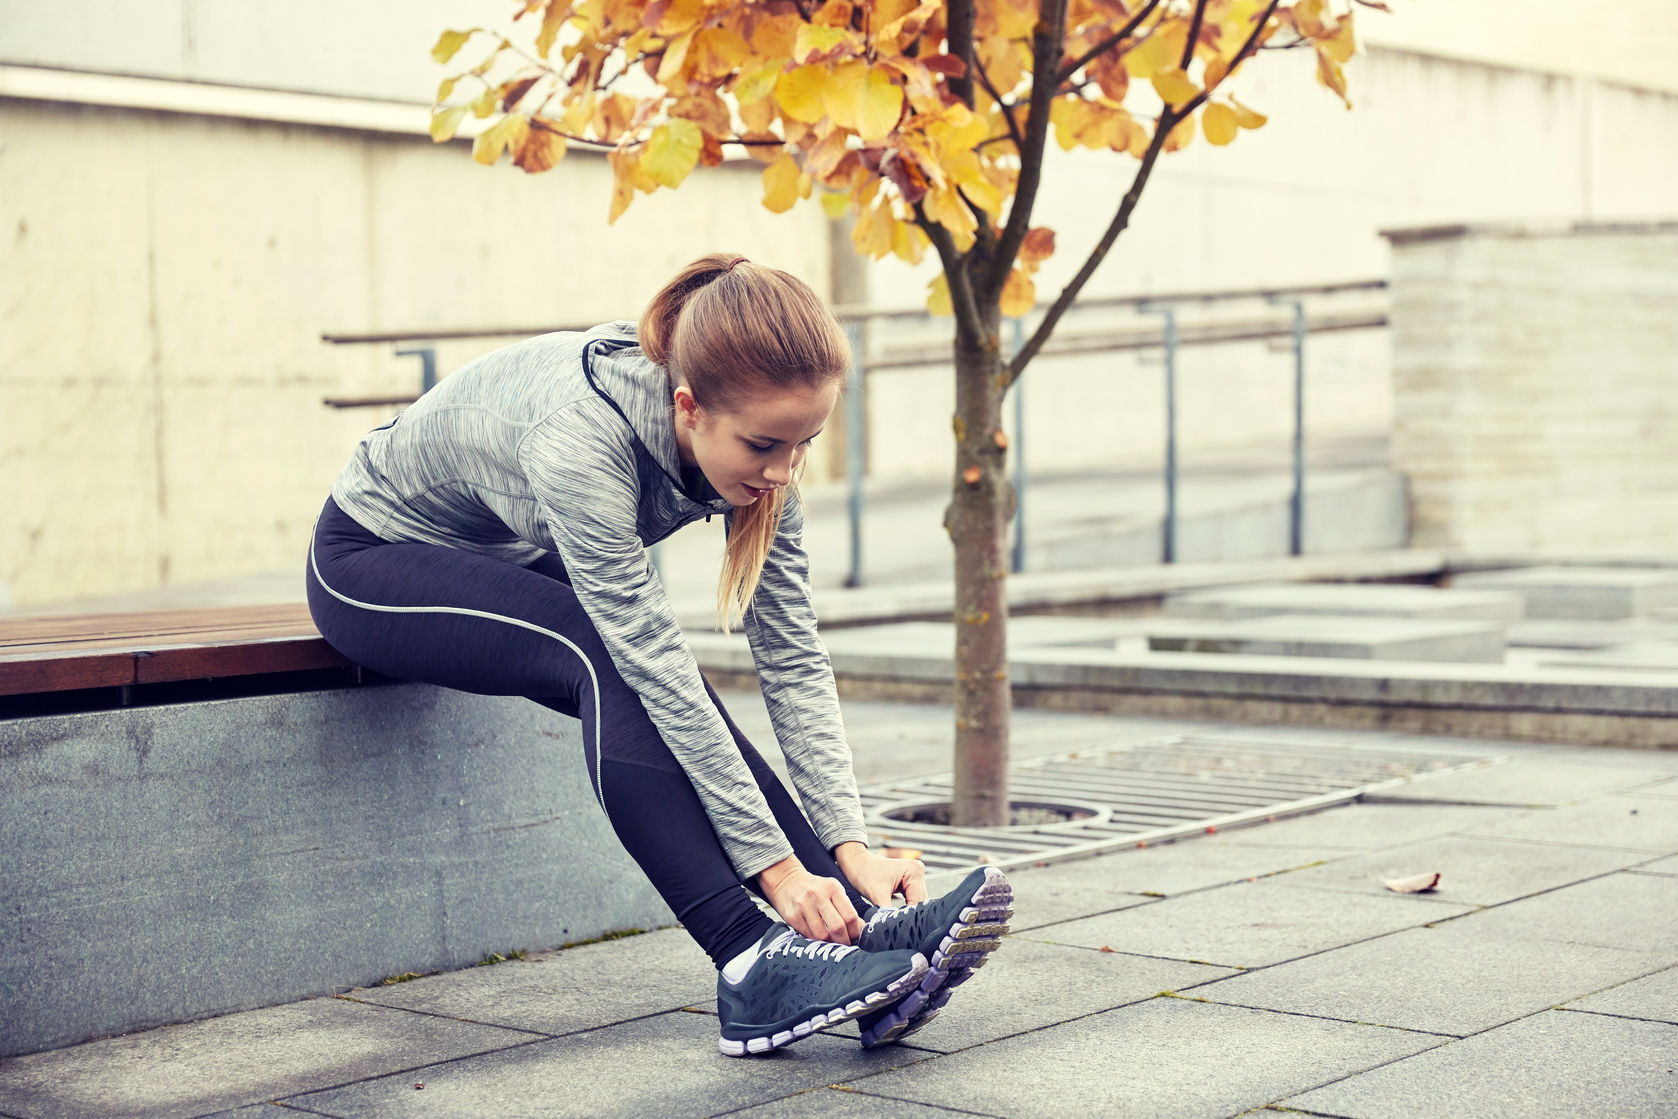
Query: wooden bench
{"x": 49, "y": 654}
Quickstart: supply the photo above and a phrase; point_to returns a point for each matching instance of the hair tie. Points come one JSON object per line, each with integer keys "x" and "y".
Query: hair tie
{"x": 732, "y": 263}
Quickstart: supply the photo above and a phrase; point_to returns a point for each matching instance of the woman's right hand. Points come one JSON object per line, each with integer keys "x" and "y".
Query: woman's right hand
{"x": 815, "y": 907}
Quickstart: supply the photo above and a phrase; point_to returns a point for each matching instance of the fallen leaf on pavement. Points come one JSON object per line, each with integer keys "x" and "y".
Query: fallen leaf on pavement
{"x": 903, "y": 852}
{"x": 1104, "y": 948}
{"x": 1415, "y": 884}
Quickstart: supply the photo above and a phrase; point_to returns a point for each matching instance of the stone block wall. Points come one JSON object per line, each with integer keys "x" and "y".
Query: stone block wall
{"x": 1535, "y": 387}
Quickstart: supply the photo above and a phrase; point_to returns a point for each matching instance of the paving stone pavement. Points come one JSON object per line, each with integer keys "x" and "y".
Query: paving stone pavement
{"x": 1250, "y": 972}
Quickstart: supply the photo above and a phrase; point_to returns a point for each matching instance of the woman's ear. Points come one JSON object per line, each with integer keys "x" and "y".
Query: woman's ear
{"x": 687, "y": 408}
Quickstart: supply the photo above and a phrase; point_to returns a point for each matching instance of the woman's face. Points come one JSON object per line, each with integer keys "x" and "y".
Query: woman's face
{"x": 750, "y": 452}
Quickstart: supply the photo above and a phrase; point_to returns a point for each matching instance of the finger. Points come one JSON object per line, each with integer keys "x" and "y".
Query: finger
{"x": 847, "y": 911}
{"x": 914, "y": 883}
{"x": 833, "y": 924}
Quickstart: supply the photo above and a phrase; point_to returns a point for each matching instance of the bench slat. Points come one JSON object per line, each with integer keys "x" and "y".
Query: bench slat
{"x": 48, "y": 628}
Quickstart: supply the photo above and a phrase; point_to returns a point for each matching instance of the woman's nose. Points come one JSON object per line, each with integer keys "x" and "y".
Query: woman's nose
{"x": 778, "y": 472}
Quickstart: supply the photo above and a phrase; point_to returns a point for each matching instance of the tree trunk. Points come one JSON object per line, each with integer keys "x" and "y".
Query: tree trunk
{"x": 980, "y": 508}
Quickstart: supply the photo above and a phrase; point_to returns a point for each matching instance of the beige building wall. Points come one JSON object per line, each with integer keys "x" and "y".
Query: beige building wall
{"x": 167, "y": 281}
{"x": 1536, "y": 386}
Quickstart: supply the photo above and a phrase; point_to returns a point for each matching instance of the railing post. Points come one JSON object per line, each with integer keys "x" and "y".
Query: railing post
{"x": 1169, "y": 546}
{"x": 1016, "y": 557}
{"x": 428, "y": 365}
{"x": 1296, "y": 503}
{"x": 856, "y": 444}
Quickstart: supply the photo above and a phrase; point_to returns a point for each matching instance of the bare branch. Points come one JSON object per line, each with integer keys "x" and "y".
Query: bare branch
{"x": 961, "y": 288}
{"x": 1194, "y": 34}
{"x": 1007, "y": 109}
{"x": 1048, "y": 37}
{"x": 1167, "y": 121}
{"x": 959, "y": 18}
{"x": 1106, "y": 44}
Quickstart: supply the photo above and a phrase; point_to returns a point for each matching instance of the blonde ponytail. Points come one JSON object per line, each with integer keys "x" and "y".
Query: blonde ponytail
{"x": 729, "y": 330}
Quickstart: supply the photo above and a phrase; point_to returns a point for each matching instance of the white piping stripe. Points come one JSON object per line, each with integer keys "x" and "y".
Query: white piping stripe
{"x": 599, "y": 785}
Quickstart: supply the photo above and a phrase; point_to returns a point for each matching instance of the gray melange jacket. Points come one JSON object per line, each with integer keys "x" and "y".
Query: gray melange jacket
{"x": 532, "y": 449}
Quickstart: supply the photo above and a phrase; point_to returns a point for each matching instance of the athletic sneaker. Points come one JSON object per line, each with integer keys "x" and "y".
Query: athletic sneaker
{"x": 956, "y": 933}
{"x": 797, "y": 986}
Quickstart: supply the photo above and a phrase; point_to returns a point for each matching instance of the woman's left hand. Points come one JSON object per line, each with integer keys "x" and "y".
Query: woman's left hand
{"x": 880, "y": 878}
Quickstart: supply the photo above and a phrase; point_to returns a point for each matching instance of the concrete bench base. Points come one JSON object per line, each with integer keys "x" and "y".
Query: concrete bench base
{"x": 175, "y": 862}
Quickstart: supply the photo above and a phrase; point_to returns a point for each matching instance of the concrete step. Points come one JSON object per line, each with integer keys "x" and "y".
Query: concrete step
{"x": 1345, "y": 599}
{"x": 1600, "y": 593}
{"x": 1307, "y": 635}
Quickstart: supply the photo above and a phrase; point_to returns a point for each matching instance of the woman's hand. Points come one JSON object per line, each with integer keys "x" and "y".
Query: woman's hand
{"x": 815, "y": 907}
{"x": 880, "y": 878}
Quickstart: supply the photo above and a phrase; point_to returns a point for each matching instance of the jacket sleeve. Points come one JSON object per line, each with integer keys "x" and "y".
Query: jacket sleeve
{"x": 584, "y": 475}
{"x": 796, "y": 676}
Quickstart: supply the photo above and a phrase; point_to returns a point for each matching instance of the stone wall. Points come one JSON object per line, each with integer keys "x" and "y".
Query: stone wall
{"x": 1535, "y": 384}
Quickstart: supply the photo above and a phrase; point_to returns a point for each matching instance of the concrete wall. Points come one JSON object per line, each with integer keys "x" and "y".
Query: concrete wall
{"x": 176, "y": 862}
{"x": 1534, "y": 373}
{"x": 161, "y": 369}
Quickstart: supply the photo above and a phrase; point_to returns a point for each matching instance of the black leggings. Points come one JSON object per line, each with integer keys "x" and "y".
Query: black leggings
{"x": 450, "y": 617}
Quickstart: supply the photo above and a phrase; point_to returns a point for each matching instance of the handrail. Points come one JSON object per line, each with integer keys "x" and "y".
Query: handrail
{"x": 848, "y": 313}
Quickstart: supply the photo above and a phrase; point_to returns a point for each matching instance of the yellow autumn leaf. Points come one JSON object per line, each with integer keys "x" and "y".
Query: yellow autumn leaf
{"x": 872, "y": 233}
{"x": 803, "y": 93}
{"x": 938, "y": 296}
{"x": 675, "y": 58}
{"x": 449, "y": 43}
{"x": 1245, "y": 117}
{"x": 813, "y": 40}
{"x": 1331, "y": 75}
{"x": 775, "y": 36}
{"x": 485, "y": 103}
{"x": 552, "y": 20}
{"x": 1159, "y": 51}
{"x": 780, "y": 184}
{"x": 718, "y": 51}
{"x": 1343, "y": 43}
{"x": 680, "y": 16}
{"x": 541, "y": 150}
{"x": 1216, "y": 71}
{"x": 944, "y": 206}
{"x": 1037, "y": 246}
{"x": 672, "y": 151}
{"x": 1019, "y": 294}
{"x": 445, "y": 89}
{"x": 908, "y": 243}
{"x": 444, "y": 122}
{"x": 1174, "y": 87}
{"x": 864, "y": 100}
{"x": 757, "y": 84}
{"x": 623, "y": 189}
{"x": 1219, "y": 124}
{"x": 835, "y": 204}
{"x": 509, "y": 131}
{"x": 1181, "y": 135}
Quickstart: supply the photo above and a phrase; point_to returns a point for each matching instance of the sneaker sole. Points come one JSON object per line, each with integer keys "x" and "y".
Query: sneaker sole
{"x": 902, "y": 986}
{"x": 967, "y": 947}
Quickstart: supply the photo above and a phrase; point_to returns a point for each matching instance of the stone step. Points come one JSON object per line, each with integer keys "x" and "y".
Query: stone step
{"x": 1599, "y": 593}
{"x": 1307, "y": 635}
{"x": 1658, "y": 656}
{"x": 1345, "y": 599}
{"x": 1591, "y": 635}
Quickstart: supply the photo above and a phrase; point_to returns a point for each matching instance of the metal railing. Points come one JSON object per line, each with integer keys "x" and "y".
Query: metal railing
{"x": 1169, "y": 338}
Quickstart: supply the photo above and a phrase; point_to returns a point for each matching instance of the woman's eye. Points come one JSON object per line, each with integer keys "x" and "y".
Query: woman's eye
{"x": 761, "y": 450}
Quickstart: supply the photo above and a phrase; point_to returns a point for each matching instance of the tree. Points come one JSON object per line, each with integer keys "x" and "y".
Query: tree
{"x": 928, "y": 122}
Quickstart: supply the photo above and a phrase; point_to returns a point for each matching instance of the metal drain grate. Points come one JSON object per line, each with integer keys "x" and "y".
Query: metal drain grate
{"x": 1156, "y": 790}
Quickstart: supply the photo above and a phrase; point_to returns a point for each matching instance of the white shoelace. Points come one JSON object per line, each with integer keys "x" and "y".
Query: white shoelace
{"x": 788, "y": 945}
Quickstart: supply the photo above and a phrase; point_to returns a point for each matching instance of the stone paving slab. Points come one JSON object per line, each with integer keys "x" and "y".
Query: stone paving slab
{"x": 1628, "y": 821}
{"x": 1634, "y": 911}
{"x": 1453, "y": 979}
{"x": 1581, "y": 592}
{"x": 1249, "y": 924}
{"x": 1305, "y": 635}
{"x": 1557, "y": 1063}
{"x": 1029, "y": 985}
{"x": 1365, "y": 826}
{"x": 841, "y": 1103}
{"x": 1660, "y": 866}
{"x": 1525, "y": 781}
{"x": 1344, "y": 599}
{"x": 1667, "y": 788}
{"x": 1654, "y": 997}
{"x": 1474, "y": 871}
{"x": 666, "y": 1065}
{"x": 1166, "y": 1057}
{"x": 1065, "y": 891}
{"x": 243, "y": 1058}
{"x": 561, "y": 992}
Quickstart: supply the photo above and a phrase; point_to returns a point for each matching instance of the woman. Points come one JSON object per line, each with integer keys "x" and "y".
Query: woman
{"x": 493, "y": 537}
